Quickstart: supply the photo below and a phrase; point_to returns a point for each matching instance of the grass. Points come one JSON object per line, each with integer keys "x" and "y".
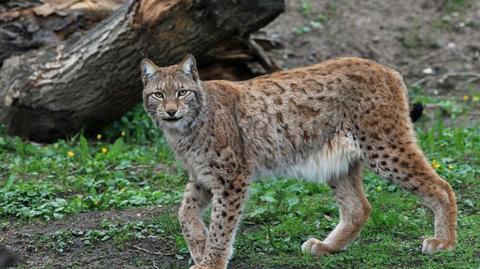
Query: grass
{"x": 129, "y": 165}
{"x": 314, "y": 18}
{"x": 165, "y": 226}
{"x": 77, "y": 175}
{"x": 451, "y": 6}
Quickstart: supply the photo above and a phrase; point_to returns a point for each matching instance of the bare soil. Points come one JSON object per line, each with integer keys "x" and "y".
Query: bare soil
{"x": 410, "y": 36}
{"x": 431, "y": 44}
{"x": 136, "y": 254}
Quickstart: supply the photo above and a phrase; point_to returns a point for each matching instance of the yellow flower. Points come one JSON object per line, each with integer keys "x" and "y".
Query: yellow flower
{"x": 465, "y": 98}
{"x": 450, "y": 167}
{"x": 123, "y": 133}
{"x": 99, "y": 136}
{"x": 104, "y": 150}
{"x": 70, "y": 154}
{"x": 435, "y": 164}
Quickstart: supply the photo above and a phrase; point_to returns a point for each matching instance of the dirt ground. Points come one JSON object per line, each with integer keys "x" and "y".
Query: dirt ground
{"x": 99, "y": 255}
{"x": 431, "y": 43}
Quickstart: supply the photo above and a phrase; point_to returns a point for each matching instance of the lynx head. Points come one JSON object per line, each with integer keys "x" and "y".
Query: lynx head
{"x": 172, "y": 95}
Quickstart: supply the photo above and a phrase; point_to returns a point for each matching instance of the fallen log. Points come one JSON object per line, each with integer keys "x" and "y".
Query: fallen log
{"x": 31, "y": 24}
{"x": 88, "y": 81}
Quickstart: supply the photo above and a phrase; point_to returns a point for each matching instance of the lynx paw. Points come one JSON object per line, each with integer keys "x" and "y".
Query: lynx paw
{"x": 315, "y": 247}
{"x": 433, "y": 245}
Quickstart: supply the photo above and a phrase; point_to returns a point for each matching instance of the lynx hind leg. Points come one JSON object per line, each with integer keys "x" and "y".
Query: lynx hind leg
{"x": 403, "y": 163}
{"x": 354, "y": 212}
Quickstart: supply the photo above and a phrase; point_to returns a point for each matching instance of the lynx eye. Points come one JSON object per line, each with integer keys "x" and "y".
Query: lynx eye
{"x": 182, "y": 93}
{"x": 158, "y": 95}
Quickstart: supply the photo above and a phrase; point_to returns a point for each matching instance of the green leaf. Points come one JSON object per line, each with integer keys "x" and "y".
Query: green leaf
{"x": 9, "y": 183}
{"x": 84, "y": 149}
{"x": 469, "y": 203}
{"x": 117, "y": 148}
{"x": 292, "y": 201}
{"x": 267, "y": 198}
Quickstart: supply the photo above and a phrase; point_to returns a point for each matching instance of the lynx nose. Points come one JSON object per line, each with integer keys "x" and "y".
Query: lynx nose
{"x": 171, "y": 113}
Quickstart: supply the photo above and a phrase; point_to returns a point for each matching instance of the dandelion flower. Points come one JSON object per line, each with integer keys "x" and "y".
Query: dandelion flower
{"x": 104, "y": 150}
{"x": 70, "y": 154}
{"x": 435, "y": 164}
{"x": 99, "y": 136}
{"x": 466, "y": 97}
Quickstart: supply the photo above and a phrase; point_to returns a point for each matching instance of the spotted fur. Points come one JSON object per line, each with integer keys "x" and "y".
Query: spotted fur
{"x": 324, "y": 123}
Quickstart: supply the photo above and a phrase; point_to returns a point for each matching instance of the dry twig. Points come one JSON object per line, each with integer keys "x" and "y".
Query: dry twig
{"x": 154, "y": 252}
{"x": 459, "y": 74}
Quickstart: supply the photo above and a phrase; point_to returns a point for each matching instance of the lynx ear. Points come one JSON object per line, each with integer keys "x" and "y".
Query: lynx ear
{"x": 148, "y": 68}
{"x": 188, "y": 66}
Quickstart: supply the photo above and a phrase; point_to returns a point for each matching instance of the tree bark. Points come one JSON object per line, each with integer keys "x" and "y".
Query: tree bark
{"x": 88, "y": 81}
{"x": 32, "y": 24}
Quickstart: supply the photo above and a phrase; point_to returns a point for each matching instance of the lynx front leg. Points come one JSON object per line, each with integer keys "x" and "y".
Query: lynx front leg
{"x": 354, "y": 212}
{"x": 227, "y": 205}
{"x": 195, "y": 200}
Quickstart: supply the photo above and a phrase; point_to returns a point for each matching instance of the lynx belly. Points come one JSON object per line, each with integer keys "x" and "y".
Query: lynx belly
{"x": 332, "y": 161}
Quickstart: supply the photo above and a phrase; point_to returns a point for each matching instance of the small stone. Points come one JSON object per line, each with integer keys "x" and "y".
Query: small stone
{"x": 428, "y": 71}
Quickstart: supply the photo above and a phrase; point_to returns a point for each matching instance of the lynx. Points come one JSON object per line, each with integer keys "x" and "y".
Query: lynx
{"x": 322, "y": 123}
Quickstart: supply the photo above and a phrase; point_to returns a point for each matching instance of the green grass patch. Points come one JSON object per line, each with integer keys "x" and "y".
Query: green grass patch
{"x": 126, "y": 165}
